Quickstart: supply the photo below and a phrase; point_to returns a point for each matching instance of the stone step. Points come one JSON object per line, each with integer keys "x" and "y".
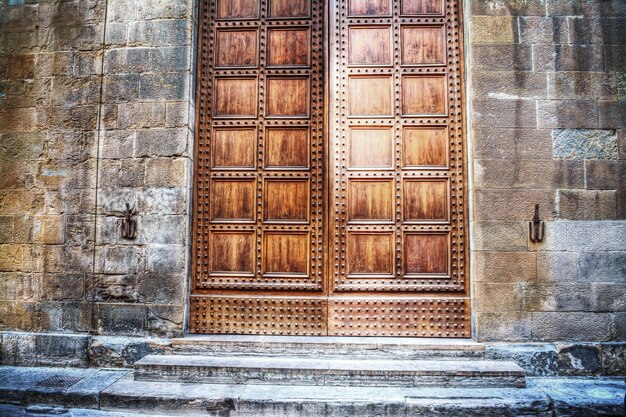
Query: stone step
{"x": 260, "y": 370}
{"x": 329, "y": 347}
{"x": 322, "y": 401}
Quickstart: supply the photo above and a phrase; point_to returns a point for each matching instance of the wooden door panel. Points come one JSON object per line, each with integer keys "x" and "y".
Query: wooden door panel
{"x": 398, "y": 213}
{"x": 369, "y": 7}
{"x": 258, "y": 201}
{"x": 395, "y": 241}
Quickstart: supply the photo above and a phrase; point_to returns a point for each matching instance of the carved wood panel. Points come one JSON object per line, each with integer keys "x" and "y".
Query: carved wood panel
{"x": 397, "y": 149}
{"x": 258, "y": 201}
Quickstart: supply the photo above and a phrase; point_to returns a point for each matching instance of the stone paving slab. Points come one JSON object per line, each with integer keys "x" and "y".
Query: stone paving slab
{"x": 339, "y": 372}
{"x": 71, "y": 387}
{"x": 114, "y": 393}
{"x": 37, "y": 411}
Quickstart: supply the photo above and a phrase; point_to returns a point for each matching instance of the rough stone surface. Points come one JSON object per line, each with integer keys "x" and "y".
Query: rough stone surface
{"x": 584, "y": 144}
{"x": 30, "y": 349}
{"x": 123, "y": 352}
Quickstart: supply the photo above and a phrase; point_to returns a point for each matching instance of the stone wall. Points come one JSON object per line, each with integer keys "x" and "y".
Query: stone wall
{"x": 94, "y": 114}
{"x": 96, "y": 111}
{"x": 547, "y": 88}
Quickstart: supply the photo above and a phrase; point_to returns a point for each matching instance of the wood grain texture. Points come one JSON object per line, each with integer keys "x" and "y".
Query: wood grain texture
{"x": 238, "y": 9}
{"x": 232, "y": 252}
{"x": 370, "y": 254}
{"x": 233, "y": 200}
{"x": 369, "y": 7}
{"x": 370, "y": 200}
{"x": 422, "y": 45}
{"x": 289, "y": 47}
{"x": 237, "y": 48}
{"x": 287, "y": 147}
{"x": 236, "y": 97}
{"x": 425, "y": 146}
{"x": 288, "y": 97}
{"x": 290, "y": 8}
{"x": 370, "y": 45}
{"x": 234, "y": 148}
{"x": 370, "y": 147}
{"x": 424, "y": 95}
{"x": 370, "y": 96}
{"x": 425, "y": 200}
{"x": 426, "y": 253}
{"x": 286, "y": 253}
{"x": 423, "y": 7}
{"x": 286, "y": 200}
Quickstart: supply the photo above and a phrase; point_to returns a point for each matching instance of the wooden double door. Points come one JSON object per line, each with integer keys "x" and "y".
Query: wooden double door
{"x": 329, "y": 169}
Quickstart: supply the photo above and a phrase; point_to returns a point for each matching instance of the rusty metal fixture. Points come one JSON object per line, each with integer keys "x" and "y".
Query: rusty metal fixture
{"x": 129, "y": 224}
{"x": 536, "y": 227}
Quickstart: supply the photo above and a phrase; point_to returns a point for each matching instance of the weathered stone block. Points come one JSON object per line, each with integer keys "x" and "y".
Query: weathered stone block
{"x": 166, "y": 172}
{"x": 568, "y": 58}
{"x": 497, "y": 297}
{"x": 18, "y": 286}
{"x": 121, "y": 88}
{"x": 120, "y": 260}
{"x": 493, "y": 29}
{"x": 557, "y": 266}
{"x": 67, "y": 259}
{"x": 116, "y": 288}
{"x": 122, "y": 173}
{"x": 543, "y": 30}
{"x": 557, "y": 297}
{"x": 162, "y": 288}
{"x": 159, "y": 229}
{"x": 605, "y": 8}
{"x": 506, "y": 8}
{"x": 177, "y": 114}
{"x": 508, "y": 204}
{"x": 116, "y": 34}
{"x": 117, "y": 144}
{"x": 121, "y": 11}
{"x": 159, "y": 33}
{"x": 613, "y": 358}
{"x": 505, "y": 113}
{"x": 582, "y": 85}
{"x": 618, "y": 326}
{"x": 505, "y": 266}
{"x": 495, "y": 143}
{"x": 593, "y": 236}
{"x": 602, "y": 267}
{"x": 166, "y": 320}
{"x": 166, "y": 259}
{"x": 503, "y": 326}
{"x": 22, "y": 146}
{"x": 500, "y": 236}
{"x": 22, "y": 120}
{"x": 140, "y": 115}
{"x": 575, "y": 114}
{"x": 607, "y": 296}
{"x": 169, "y": 59}
{"x": 507, "y": 85}
{"x": 586, "y": 204}
{"x": 536, "y": 359}
{"x": 161, "y": 142}
{"x": 121, "y": 319}
{"x": 612, "y": 114}
{"x": 162, "y": 201}
{"x": 163, "y": 86}
{"x": 19, "y": 315}
{"x": 29, "y": 349}
{"x": 571, "y": 326}
{"x": 564, "y": 7}
{"x": 62, "y": 287}
{"x": 604, "y": 175}
{"x": 162, "y": 9}
{"x": 123, "y": 352}
{"x": 131, "y": 60}
{"x": 66, "y": 316}
{"x": 579, "y": 359}
{"x": 49, "y": 230}
{"x": 529, "y": 174}
{"x": 555, "y": 237}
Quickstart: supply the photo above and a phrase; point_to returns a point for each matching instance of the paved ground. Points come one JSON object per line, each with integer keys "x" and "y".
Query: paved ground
{"x": 71, "y": 392}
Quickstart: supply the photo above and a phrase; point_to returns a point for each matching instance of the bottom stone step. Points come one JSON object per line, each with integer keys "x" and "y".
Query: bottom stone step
{"x": 321, "y": 401}
{"x": 334, "y": 372}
